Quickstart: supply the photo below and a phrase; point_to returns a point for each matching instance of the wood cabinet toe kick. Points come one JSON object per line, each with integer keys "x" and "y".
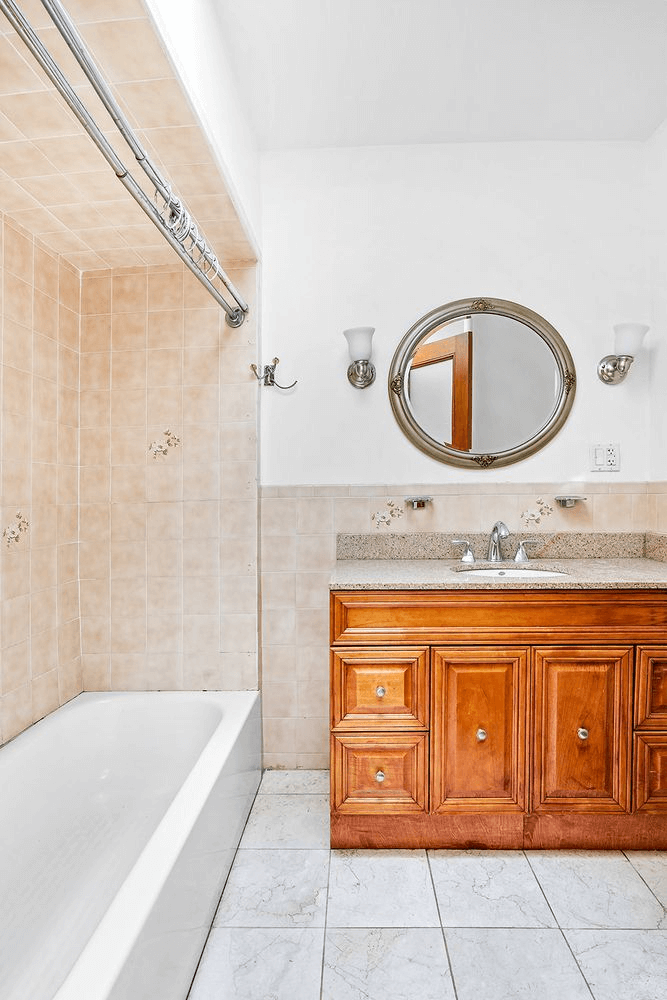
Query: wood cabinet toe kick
{"x": 499, "y": 719}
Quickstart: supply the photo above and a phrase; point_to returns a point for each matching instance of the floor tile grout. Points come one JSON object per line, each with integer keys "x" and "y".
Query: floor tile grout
{"x": 444, "y": 936}
{"x": 325, "y": 934}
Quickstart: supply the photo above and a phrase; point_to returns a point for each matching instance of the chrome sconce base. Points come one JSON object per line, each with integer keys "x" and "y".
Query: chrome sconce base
{"x": 613, "y": 368}
{"x": 361, "y": 374}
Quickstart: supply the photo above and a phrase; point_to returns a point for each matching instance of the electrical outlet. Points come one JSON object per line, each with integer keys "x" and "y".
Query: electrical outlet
{"x": 613, "y": 457}
{"x": 605, "y": 457}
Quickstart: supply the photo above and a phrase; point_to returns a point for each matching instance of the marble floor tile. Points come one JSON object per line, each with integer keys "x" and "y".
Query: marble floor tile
{"x": 260, "y": 964}
{"x": 289, "y": 821}
{"x": 386, "y": 963}
{"x": 514, "y": 964}
{"x": 275, "y": 888}
{"x": 295, "y": 783}
{"x": 381, "y": 889}
{"x": 488, "y": 889}
{"x": 652, "y": 866}
{"x": 595, "y": 889}
{"x": 622, "y": 965}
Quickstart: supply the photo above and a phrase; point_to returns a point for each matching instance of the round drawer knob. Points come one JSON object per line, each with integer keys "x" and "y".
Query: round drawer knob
{"x": 582, "y": 734}
{"x": 379, "y": 777}
{"x": 380, "y": 691}
{"x": 481, "y": 735}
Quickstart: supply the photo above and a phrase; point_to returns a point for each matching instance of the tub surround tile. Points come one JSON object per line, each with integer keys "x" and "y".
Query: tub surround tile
{"x": 488, "y": 889}
{"x": 596, "y": 889}
{"x": 280, "y": 964}
{"x": 288, "y": 821}
{"x": 275, "y": 888}
{"x": 622, "y": 964}
{"x": 381, "y": 889}
{"x": 386, "y": 963}
{"x": 295, "y": 782}
{"x": 519, "y": 963}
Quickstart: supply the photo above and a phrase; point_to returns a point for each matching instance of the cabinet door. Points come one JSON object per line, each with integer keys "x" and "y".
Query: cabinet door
{"x": 651, "y": 772}
{"x": 385, "y": 688}
{"x": 383, "y": 774}
{"x": 651, "y": 688}
{"x": 581, "y": 729}
{"x": 478, "y": 730}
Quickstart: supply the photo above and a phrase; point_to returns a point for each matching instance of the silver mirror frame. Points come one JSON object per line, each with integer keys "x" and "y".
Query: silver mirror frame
{"x": 457, "y": 310}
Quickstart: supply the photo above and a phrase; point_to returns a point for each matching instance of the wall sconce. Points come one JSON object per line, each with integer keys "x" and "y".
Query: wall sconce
{"x": 627, "y": 341}
{"x": 361, "y": 372}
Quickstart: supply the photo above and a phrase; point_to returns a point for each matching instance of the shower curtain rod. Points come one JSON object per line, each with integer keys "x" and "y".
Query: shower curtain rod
{"x": 178, "y": 227}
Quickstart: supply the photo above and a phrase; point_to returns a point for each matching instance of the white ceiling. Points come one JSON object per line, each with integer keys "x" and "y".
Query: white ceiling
{"x": 372, "y": 72}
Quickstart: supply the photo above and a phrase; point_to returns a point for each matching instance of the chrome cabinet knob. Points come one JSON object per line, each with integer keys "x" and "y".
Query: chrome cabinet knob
{"x": 380, "y": 691}
{"x": 582, "y": 734}
{"x": 481, "y": 735}
{"x": 379, "y": 777}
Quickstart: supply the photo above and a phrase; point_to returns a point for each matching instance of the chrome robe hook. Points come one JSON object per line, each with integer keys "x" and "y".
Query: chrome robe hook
{"x": 269, "y": 375}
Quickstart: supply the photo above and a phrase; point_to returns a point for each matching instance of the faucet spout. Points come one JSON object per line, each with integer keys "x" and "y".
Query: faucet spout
{"x": 498, "y": 531}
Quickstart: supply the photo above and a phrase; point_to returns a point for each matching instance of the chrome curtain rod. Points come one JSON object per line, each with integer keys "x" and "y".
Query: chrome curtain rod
{"x": 174, "y": 221}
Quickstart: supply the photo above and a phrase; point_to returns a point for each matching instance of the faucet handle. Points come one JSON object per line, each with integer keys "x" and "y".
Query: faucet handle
{"x": 467, "y": 556}
{"x": 521, "y": 554}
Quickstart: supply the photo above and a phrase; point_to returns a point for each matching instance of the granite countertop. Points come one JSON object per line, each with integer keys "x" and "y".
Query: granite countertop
{"x": 449, "y": 574}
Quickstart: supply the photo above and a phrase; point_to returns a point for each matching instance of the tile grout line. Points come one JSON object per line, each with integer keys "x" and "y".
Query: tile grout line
{"x": 558, "y": 926}
{"x": 326, "y": 918}
{"x": 657, "y": 899}
{"x": 442, "y": 929}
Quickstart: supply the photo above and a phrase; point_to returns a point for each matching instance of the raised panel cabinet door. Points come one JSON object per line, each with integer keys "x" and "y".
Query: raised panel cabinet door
{"x": 383, "y": 774}
{"x": 581, "y": 729}
{"x": 379, "y": 687}
{"x": 651, "y": 688}
{"x": 650, "y": 785}
{"x": 478, "y": 759}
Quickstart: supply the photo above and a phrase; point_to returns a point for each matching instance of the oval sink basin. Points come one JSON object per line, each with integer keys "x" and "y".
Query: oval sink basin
{"x": 510, "y": 573}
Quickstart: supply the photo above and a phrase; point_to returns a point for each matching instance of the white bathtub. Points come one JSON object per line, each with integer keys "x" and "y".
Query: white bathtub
{"x": 119, "y": 818}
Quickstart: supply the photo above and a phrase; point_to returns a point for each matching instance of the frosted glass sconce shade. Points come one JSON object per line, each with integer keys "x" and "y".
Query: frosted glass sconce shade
{"x": 361, "y": 372}
{"x": 359, "y": 342}
{"x": 628, "y": 338}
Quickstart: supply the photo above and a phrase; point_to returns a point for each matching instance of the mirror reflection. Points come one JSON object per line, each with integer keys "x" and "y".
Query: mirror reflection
{"x": 482, "y": 384}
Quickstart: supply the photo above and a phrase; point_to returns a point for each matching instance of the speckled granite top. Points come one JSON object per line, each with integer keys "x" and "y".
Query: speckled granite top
{"x": 448, "y": 574}
{"x": 553, "y": 545}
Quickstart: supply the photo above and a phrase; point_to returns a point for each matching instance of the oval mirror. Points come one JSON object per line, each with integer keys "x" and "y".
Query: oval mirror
{"x": 481, "y": 383}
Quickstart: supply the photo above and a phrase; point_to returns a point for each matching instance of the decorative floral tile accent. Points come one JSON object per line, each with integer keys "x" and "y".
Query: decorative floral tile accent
{"x": 535, "y": 516}
{"x": 13, "y": 532}
{"x": 161, "y": 448}
{"x": 383, "y": 518}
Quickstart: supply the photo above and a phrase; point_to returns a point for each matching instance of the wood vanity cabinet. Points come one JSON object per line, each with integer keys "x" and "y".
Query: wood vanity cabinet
{"x": 499, "y": 719}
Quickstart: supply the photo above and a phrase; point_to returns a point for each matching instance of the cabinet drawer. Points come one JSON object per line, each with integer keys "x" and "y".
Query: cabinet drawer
{"x": 651, "y": 772}
{"x": 581, "y": 729}
{"x": 651, "y": 688}
{"x": 379, "y": 774}
{"x": 478, "y": 730}
{"x": 385, "y": 688}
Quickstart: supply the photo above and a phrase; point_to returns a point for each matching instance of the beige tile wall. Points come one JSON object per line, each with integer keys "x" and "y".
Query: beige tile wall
{"x": 298, "y": 531}
{"x": 40, "y": 666}
{"x": 168, "y": 559}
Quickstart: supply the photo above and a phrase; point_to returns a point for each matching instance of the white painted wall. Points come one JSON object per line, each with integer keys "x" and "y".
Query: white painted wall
{"x": 193, "y": 38}
{"x": 655, "y": 212}
{"x": 379, "y": 236}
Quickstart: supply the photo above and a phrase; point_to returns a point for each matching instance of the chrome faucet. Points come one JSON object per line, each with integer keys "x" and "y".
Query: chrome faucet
{"x": 498, "y": 531}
